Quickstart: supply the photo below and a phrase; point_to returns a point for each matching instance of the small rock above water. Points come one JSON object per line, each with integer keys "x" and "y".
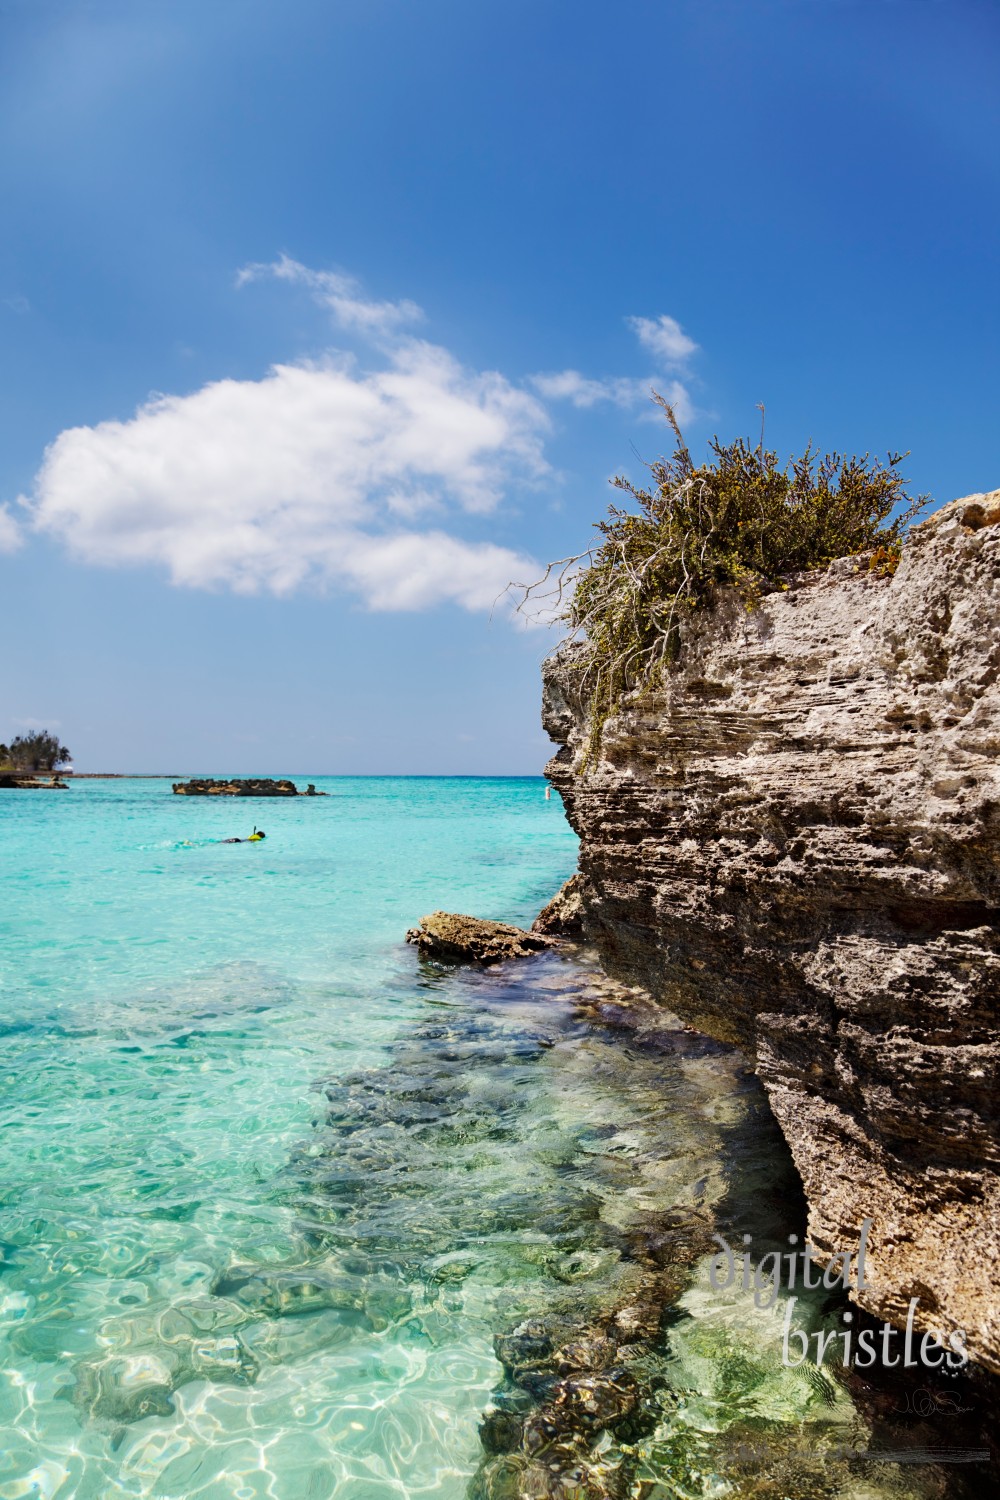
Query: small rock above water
{"x": 254, "y": 787}
{"x": 446, "y": 934}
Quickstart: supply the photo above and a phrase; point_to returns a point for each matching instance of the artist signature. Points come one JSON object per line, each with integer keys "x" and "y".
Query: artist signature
{"x": 925, "y": 1403}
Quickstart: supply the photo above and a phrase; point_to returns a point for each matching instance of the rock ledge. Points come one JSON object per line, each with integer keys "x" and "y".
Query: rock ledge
{"x": 451, "y": 935}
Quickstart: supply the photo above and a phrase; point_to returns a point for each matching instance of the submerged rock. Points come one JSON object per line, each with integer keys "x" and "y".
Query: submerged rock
{"x": 127, "y": 1387}
{"x": 445, "y": 934}
{"x": 794, "y": 844}
{"x": 563, "y": 916}
{"x": 371, "y": 1301}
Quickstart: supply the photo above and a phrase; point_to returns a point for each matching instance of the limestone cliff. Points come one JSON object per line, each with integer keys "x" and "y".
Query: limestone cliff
{"x": 795, "y": 844}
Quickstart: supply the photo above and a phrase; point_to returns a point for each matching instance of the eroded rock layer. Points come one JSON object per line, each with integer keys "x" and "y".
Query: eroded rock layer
{"x": 795, "y": 844}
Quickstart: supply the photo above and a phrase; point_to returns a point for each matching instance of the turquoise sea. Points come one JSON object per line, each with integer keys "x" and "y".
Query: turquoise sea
{"x": 271, "y": 1188}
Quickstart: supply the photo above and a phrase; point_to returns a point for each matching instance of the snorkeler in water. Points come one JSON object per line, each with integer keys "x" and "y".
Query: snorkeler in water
{"x": 255, "y": 837}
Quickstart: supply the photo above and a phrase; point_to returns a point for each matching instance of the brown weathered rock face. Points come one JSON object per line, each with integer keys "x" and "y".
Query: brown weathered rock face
{"x": 563, "y": 915}
{"x": 795, "y": 844}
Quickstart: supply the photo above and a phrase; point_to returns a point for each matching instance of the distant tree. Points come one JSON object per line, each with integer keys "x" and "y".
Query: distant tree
{"x": 36, "y": 751}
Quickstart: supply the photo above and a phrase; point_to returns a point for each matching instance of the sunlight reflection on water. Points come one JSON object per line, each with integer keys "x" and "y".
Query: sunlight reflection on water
{"x": 222, "y": 1281}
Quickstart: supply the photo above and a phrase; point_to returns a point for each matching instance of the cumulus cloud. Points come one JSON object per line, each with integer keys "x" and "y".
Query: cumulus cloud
{"x": 583, "y": 391}
{"x": 11, "y": 535}
{"x": 316, "y": 473}
{"x": 325, "y": 473}
{"x": 340, "y": 295}
{"x": 665, "y": 338}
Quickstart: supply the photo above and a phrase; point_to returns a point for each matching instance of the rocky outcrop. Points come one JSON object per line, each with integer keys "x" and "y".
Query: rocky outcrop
{"x": 251, "y": 788}
{"x": 795, "y": 844}
{"x": 450, "y": 935}
{"x": 563, "y": 915}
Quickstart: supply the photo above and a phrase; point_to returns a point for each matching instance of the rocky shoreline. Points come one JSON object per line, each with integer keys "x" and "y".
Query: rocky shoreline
{"x": 795, "y": 845}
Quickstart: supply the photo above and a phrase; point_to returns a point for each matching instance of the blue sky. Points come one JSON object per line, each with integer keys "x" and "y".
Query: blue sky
{"x": 321, "y": 320}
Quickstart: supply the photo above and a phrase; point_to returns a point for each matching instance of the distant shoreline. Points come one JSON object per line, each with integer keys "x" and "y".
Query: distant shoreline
{"x": 319, "y": 775}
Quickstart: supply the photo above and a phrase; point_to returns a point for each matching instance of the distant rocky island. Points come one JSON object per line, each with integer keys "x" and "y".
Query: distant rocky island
{"x": 253, "y": 787}
{"x": 10, "y": 781}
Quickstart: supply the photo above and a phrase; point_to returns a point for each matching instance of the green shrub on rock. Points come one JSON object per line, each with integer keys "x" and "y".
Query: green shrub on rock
{"x": 740, "y": 521}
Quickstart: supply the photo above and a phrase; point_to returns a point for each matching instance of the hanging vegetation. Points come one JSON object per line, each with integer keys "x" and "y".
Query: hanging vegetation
{"x": 740, "y": 521}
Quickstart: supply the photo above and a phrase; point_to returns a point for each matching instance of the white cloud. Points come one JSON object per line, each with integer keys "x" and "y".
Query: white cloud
{"x": 11, "y": 536}
{"x": 583, "y": 391}
{"x": 410, "y": 570}
{"x": 340, "y": 294}
{"x": 315, "y": 473}
{"x": 324, "y": 473}
{"x": 664, "y": 337}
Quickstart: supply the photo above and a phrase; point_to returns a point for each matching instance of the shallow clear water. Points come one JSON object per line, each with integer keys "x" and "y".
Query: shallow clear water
{"x": 270, "y": 1187}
